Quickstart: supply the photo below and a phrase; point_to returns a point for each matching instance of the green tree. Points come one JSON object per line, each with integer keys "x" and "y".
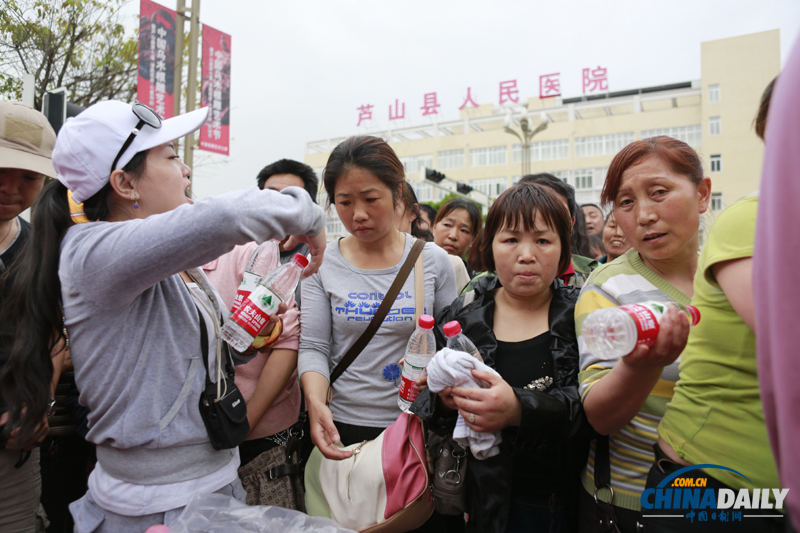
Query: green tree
{"x": 451, "y": 196}
{"x": 78, "y": 44}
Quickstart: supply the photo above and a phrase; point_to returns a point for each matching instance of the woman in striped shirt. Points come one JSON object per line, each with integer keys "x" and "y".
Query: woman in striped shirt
{"x": 658, "y": 193}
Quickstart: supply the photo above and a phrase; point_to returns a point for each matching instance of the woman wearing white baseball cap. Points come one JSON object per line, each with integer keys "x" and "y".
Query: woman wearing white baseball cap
{"x": 130, "y": 291}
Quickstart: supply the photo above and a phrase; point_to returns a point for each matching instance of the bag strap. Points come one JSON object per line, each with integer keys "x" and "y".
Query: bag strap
{"x": 602, "y": 464}
{"x": 383, "y": 310}
{"x": 252, "y": 261}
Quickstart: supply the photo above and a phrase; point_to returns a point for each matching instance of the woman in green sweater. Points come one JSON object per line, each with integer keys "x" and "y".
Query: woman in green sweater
{"x": 658, "y": 193}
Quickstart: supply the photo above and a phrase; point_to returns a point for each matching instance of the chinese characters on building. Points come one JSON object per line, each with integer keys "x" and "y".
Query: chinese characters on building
{"x": 593, "y": 80}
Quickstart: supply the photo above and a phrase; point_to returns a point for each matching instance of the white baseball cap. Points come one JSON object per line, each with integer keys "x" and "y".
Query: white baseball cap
{"x": 88, "y": 143}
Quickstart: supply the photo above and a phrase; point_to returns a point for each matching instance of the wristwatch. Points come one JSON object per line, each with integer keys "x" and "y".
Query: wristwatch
{"x": 51, "y": 407}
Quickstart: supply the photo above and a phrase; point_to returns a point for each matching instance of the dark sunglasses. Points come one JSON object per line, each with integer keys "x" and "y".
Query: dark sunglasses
{"x": 146, "y": 116}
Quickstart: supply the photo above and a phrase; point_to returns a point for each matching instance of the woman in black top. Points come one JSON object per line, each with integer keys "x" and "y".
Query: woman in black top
{"x": 522, "y": 322}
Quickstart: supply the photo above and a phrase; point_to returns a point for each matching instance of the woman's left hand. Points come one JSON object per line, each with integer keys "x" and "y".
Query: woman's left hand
{"x": 494, "y": 408}
{"x": 38, "y": 436}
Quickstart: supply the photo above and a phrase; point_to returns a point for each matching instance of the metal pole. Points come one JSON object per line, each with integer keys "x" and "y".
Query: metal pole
{"x": 177, "y": 86}
{"x": 191, "y": 87}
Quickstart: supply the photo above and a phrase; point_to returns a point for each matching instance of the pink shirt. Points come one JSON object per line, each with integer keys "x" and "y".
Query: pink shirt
{"x": 225, "y": 273}
{"x": 775, "y": 286}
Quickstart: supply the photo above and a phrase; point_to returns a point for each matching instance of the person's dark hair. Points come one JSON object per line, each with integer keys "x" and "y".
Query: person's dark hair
{"x": 596, "y": 242}
{"x": 563, "y": 189}
{"x": 760, "y": 122}
{"x": 474, "y": 259}
{"x": 677, "y": 155}
{"x": 295, "y": 168}
{"x": 580, "y": 237}
{"x": 98, "y": 207}
{"x": 409, "y": 199}
{"x": 592, "y": 205}
{"x": 430, "y": 210}
{"x": 32, "y": 302}
{"x": 579, "y": 240}
{"x": 517, "y": 208}
{"x": 368, "y": 153}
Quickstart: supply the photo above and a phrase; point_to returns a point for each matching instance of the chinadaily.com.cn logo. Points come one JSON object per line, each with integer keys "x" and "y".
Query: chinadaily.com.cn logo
{"x": 692, "y": 499}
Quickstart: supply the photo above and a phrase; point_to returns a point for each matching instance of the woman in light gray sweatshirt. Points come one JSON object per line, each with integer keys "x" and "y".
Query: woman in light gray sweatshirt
{"x": 130, "y": 291}
{"x": 363, "y": 179}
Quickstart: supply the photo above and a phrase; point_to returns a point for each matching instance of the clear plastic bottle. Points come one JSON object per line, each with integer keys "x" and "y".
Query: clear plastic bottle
{"x": 419, "y": 352}
{"x": 616, "y": 331}
{"x": 251, "y": 278}
{"x": 458, "y": 341}
{"x": 254, "y": 312}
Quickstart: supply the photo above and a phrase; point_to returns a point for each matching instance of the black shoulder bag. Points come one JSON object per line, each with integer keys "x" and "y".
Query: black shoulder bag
{"x": 222, "y": 406}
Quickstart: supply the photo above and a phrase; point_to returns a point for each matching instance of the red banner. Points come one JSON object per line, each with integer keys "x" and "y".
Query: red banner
{"x": 156, "y": 83}
{"x": 216, "y": 91}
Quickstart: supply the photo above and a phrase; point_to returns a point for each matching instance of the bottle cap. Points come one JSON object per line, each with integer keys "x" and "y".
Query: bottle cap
{"x": 695, "y": 312}
{"x": 426, "y": 322}
{"x": 451, "y": 329}
{"x": 300, "y": 260}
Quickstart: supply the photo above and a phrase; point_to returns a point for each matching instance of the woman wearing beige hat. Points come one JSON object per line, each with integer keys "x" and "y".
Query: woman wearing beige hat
{"x": 26, "y": 144}
{"x": 131, "y": 292}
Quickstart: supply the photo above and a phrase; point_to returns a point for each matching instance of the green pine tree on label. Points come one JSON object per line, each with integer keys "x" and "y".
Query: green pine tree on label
{"x": 266, "y": 300}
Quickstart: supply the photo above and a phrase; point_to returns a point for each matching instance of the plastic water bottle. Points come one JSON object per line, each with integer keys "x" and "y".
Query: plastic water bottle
{"x": 250, "y": 279}
{"x": 458, "y": 341}
{"x": 254, "y": 312}
{"x": 616, "y": 331}
{"x": 419, "y": 352}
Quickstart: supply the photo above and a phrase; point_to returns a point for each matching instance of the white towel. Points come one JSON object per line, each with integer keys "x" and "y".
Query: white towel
{"x": 450, "y": 368}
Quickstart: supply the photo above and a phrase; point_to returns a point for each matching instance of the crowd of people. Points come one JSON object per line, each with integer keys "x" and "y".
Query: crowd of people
{"x": 124, "y": 282}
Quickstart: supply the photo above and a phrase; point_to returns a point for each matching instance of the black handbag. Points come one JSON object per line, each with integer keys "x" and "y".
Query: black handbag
{"x": 222, "y": 406}
{"x": 449, "y": 486}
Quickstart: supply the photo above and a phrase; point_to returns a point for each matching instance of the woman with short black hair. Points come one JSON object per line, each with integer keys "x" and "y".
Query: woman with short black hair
{"x": 521, "y": 321}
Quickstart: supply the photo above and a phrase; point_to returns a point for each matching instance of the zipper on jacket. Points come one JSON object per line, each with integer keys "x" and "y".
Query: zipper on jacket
{"x": 356, "y": 451}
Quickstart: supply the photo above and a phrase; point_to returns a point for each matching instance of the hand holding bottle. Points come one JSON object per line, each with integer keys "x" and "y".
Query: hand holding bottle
{"x": 670, "y": 342}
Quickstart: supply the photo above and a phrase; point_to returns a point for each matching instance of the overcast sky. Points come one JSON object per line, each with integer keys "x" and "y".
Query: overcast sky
{"x": 300, "y": 69}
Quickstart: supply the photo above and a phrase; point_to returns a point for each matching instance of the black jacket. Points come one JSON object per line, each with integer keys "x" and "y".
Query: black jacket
{"x": 553, "y": 429}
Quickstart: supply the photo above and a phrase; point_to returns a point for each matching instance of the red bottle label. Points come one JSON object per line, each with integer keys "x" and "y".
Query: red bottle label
{"x": 256, "y": 309}
{"x": 646, "y": 323}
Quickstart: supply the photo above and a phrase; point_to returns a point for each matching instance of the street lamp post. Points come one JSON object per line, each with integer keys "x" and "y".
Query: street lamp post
{"x": 525, "y": 139}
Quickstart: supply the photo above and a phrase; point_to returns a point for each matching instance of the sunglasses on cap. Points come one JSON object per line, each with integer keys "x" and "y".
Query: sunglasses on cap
{"x": 147, "y": 117}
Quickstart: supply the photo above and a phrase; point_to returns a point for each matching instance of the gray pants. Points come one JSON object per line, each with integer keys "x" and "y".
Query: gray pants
{"x": 20, "y": 490}
{"x": 91, "y": 518}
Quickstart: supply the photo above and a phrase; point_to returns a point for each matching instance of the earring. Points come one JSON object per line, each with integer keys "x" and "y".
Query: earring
{"x": 136, "y": 202}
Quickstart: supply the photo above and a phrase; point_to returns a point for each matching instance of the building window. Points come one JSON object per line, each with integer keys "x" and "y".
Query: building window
{"x": 543, "y": 151}
{"x": 716, "y": 201}
{"x": 713, "y": 94}
{"x": 492, "y": 187}
{"x": 583, "y": 179}
{"x": 484, "y": 157}
{"x": 424, "y": 192}
{"x": 714, "y": 126}
{"x": 716, "y": 163}
{"x": 415, "y": 163}
{"x": 691, "y": 135}
{"x": 333, "y": 225}
{"x": 602, "y": 144}
{"x": 450, "y": 159}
